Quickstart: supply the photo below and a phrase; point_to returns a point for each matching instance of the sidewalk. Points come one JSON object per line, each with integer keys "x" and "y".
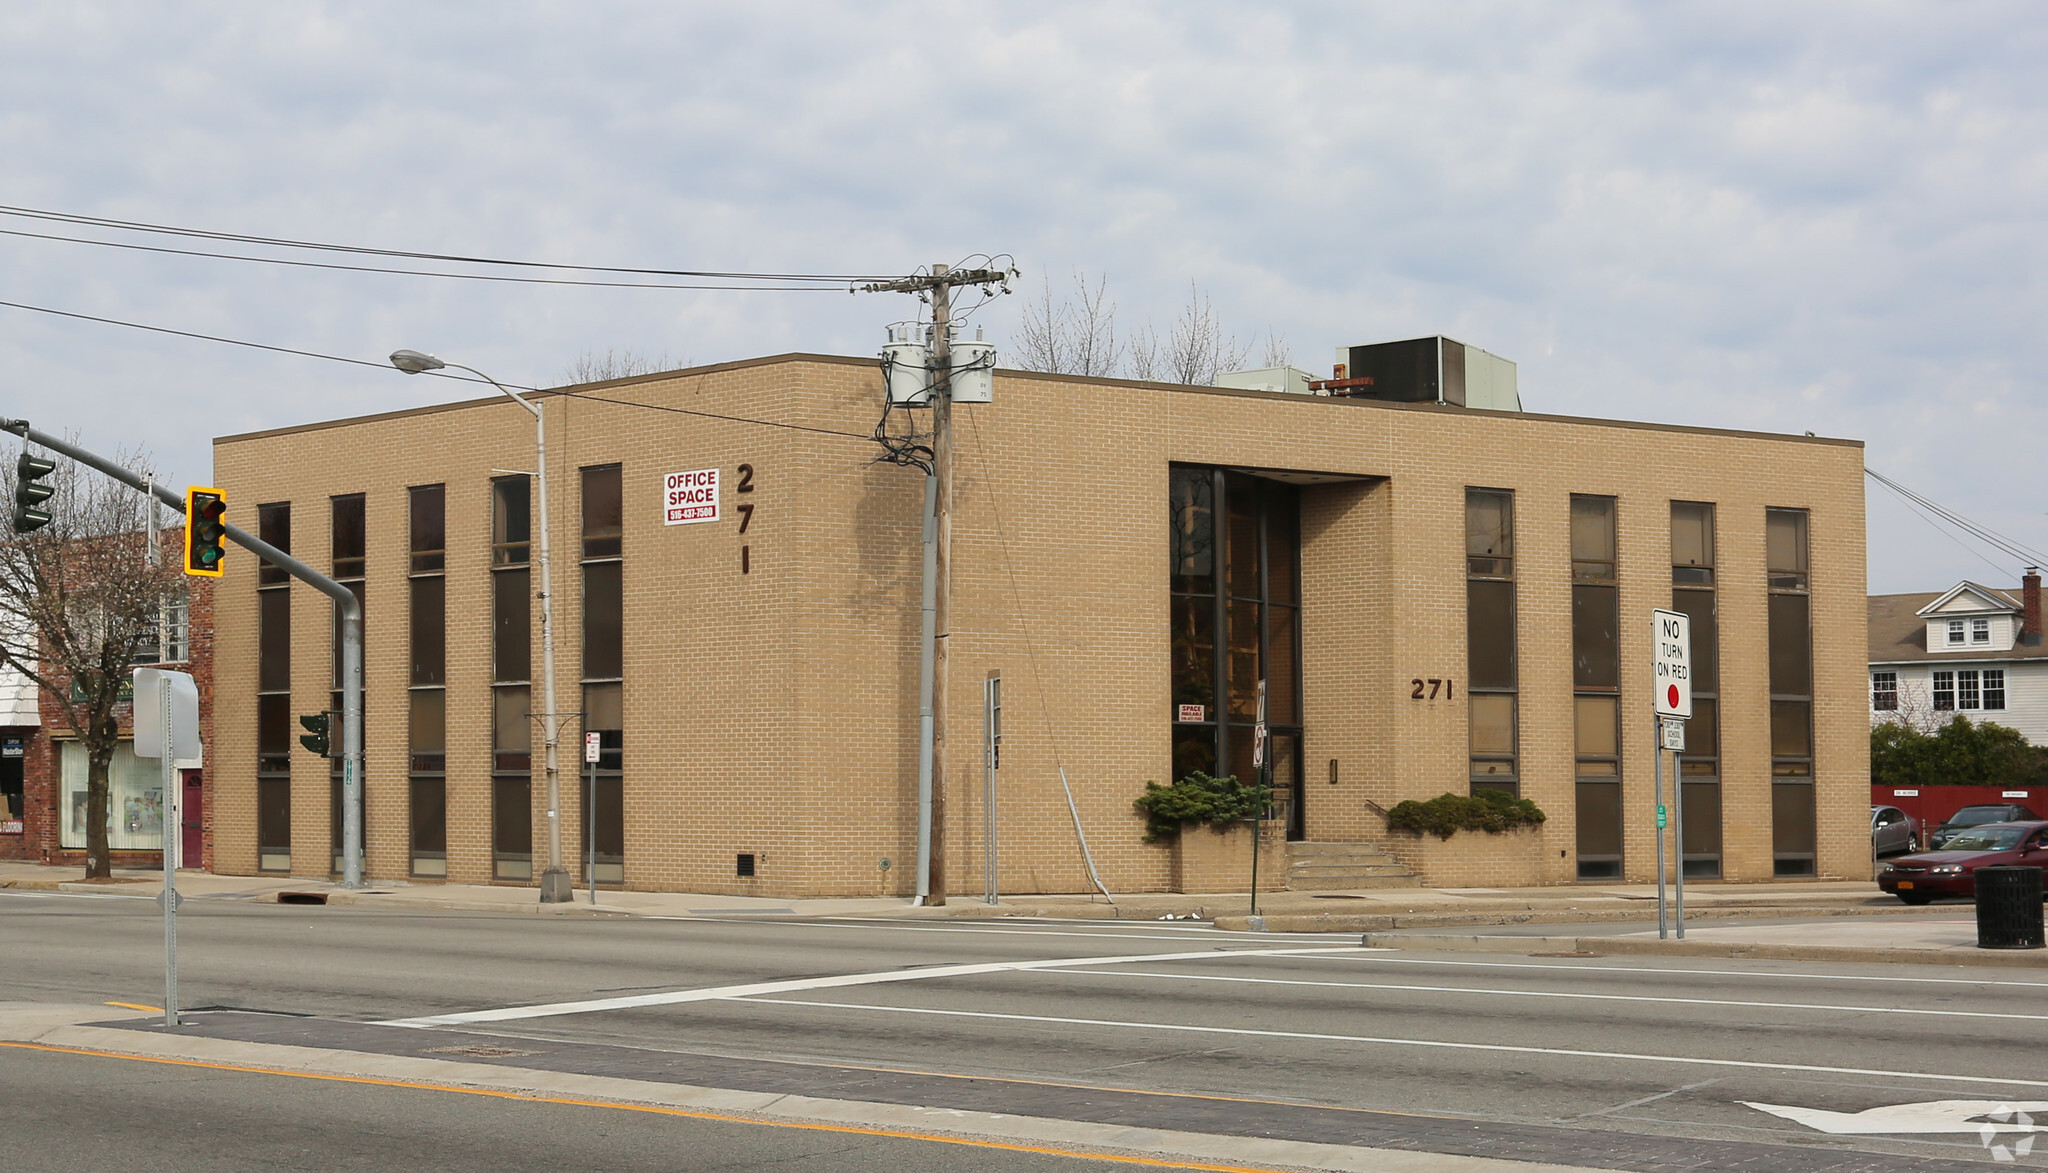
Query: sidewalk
{"x": 1855, "y": 921}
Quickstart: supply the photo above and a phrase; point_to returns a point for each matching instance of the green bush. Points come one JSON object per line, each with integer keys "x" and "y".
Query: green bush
{"x": 1198, "y": 798}
{"x": 1447, "y": 814}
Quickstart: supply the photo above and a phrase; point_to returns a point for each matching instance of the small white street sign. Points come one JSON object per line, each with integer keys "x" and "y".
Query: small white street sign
{"x": 690, "y": 497}
{"x": 1671, "y": 659}
{"x": 1673, "y": 730}
{"x": 592, "y": 742}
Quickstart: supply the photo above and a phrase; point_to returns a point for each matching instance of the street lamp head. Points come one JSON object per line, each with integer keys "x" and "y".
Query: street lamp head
{"x": 412, "y": 362}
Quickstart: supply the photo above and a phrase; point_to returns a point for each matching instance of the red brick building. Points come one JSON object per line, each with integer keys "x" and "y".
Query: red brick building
{"x": 44, "y": 819}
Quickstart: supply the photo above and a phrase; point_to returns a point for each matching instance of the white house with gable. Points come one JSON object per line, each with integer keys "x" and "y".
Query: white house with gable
{"x": 1971, "y": 649}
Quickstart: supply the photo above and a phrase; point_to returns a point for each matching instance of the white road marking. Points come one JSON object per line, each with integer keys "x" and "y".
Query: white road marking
{"x": 1206, "y": 934}
{"x": 1200, "y": 977}
{"x": 721, "y": 993}
{"x": 74, "y": 895}
{"x": 1648, "y": 969}
{"x": 1984, "y": 1117}
{"x": 1435, "y": 1044}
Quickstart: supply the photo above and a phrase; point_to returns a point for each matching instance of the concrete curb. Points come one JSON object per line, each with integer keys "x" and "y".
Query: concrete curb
{"x": 1638, "y": 947}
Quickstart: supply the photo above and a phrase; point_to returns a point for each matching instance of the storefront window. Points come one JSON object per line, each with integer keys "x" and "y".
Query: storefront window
{"x": 135, "y": 800}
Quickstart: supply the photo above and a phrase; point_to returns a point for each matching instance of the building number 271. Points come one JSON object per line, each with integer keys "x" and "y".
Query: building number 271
{"x": 1445, "y": 685}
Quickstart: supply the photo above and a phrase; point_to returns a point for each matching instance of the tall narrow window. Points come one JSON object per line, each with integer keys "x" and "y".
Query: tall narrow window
{"x": 1596, "y": 684}
{"x": 1490, "y": 667}
{"x": 347, "y": 538}
{"x": 1791, "y": 655}
{"x": 1884, "y": 691}
{"x": 1236, "y": 602}
{"x": 511, "y": 671}
{"x": 427, "y": 725}
{"x": 604, "y": 653}
{"x": 1699, "y": 766}
{"x": 274, "y": 696}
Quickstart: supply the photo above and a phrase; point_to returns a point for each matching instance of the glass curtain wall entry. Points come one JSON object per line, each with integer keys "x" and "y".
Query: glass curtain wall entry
{"x": 274, "y": 723}
{"x": 1490, "y": 670}
{"x": 348, "y": 537}
{"x": 427, "y": 727}
{"x": 511, "y": 674}
{"x": 1693, "y": 592}
{"x": 1596, "y": 686}
{"x": 1793, "y": 839}
{"x": 602, "y": 811}
{"x": 1235, "y": 578}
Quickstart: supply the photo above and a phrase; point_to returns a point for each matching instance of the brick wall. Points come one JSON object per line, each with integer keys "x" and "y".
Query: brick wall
{"x": 775, "y": 711}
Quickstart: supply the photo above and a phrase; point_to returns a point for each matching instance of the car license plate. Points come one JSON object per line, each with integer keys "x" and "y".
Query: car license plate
{"x": 1905, "y": 883}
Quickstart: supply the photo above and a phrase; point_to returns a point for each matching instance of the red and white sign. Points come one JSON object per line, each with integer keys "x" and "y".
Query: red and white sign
{"x": 592, "y": 744}
{"x": 1671, "y": 662}
{"x": 689, "y": 497}
{"x": 1194, "y": 713}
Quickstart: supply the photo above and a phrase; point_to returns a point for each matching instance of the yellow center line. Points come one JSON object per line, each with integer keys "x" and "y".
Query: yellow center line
{"x": 135, "y": 1006}
{"x": 893, "y": 1134}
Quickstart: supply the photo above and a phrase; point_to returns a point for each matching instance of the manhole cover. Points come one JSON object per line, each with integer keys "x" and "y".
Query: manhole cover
{"x": 479, "y": 1052}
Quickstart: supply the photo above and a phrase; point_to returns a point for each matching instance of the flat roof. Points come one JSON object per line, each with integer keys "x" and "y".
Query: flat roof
{"x": 584, "y": 389}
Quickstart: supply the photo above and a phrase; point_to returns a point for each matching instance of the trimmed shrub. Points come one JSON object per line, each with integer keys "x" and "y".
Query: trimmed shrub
{"x": 1197, "y": 798}
{"x": 1447, "y": 814}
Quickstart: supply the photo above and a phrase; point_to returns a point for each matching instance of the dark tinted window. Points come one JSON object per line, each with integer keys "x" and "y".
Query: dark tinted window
{"x": 348, "y": 536}
{"x": 429, "y": 525}
{"x": 603, "y": 516}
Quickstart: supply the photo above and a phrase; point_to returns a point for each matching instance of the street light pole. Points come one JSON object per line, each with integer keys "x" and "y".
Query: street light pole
{"x": 554, "y": 882}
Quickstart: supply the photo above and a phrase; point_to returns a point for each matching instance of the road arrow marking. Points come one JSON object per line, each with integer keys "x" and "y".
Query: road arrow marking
{"x": 1984, "y": 1117}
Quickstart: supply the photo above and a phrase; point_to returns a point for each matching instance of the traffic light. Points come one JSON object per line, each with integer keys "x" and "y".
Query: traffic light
{"x": 315, "y": 737}
{"x": 206, "y": 534}
{"x": 29, "y": 492}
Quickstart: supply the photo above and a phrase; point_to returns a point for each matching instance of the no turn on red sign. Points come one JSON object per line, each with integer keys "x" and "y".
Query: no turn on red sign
{"x": 1671, "y": 658}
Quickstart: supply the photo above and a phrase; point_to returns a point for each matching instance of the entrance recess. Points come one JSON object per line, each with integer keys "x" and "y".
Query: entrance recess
{"x": 1236, "y": 583}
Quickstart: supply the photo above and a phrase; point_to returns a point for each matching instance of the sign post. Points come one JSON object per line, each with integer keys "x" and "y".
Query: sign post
{"x": 592, "y": 744}
{"x": 1671, "y": 676}
{"x": 167, "y": 728}
{"x": 1265, "y": 791}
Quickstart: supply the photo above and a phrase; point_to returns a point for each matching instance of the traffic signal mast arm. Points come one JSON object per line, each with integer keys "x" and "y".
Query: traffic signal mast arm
{"x": 351, "y": 631}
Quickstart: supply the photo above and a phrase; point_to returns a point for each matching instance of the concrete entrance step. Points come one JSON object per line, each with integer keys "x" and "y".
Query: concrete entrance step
{"x": 1337, "y": 867}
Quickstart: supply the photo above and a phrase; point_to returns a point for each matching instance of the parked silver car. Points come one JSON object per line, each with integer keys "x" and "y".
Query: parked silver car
{"x": 1893, "y": 832}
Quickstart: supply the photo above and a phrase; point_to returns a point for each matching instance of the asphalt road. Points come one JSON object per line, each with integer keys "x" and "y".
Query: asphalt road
{"x": 1613, "y": 1062}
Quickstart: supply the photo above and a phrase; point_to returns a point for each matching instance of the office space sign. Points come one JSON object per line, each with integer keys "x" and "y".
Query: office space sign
{"x": 690, "y": 497}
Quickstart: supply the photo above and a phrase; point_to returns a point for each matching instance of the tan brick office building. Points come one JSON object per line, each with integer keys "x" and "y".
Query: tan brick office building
{"x": 1128, "y": 556}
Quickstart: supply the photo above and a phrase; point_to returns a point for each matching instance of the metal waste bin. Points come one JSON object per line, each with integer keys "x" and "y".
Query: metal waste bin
{"x": 2009, "y": 908}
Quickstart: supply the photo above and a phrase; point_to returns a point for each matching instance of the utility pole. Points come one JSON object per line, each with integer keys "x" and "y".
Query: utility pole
{"x": 939, "y": 285}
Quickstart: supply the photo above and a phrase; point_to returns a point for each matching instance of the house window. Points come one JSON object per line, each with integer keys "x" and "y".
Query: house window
{"x": 1884, "y": 691}
{"x": 1980, "y": 631}
{"x": 1944, "y": 692}
{"x": 169, "y": 639}
{"x": 1994, "y": 688}
{"x": 1955, "y": 632}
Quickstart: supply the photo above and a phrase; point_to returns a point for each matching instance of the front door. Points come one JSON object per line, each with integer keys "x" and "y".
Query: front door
{"x": 192, "y": 821}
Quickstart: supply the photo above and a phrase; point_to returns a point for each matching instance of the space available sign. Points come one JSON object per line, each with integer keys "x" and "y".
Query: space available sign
{"x": 689, "y": 497}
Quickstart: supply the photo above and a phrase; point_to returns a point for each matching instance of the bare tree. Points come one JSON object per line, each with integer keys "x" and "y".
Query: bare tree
{"x": 1076, "y": 336}
{"x": 594, "y": 367}
{"x": 78, "y": 599}
{"x": 1278, "y": 353}
{"x": 1197, "y": 349}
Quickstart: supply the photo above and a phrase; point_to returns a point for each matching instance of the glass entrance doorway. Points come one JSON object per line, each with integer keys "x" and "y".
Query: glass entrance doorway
{"x": 1236, "y": 583}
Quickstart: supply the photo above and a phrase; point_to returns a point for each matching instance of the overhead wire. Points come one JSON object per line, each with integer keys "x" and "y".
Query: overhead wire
{"x": 1982, "y": 533}
{"x": 386, "y": 366}
{"x": 287, "y": 242}
{"x": 186, "y": 252}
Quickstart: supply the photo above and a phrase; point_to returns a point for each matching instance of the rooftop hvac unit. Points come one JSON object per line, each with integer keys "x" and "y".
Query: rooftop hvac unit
{"x": 1430, "y": 370}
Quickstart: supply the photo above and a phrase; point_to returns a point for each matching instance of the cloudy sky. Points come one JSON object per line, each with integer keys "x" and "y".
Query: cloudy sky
{"x": 1823, "y": 217}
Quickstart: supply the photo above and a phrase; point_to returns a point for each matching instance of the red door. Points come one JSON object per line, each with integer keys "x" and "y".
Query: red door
{"x": 192, "y": 814}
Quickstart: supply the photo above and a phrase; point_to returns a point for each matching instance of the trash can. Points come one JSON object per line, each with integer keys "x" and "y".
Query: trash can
{"x": 2009, "y": 908}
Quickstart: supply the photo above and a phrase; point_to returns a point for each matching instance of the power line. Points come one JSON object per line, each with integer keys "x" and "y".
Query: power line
{"x": 386, "y": 366}
{"x": 287, "y": 242}
{"x": 1981, "y": 533}
{"x": 186, "y": 252}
